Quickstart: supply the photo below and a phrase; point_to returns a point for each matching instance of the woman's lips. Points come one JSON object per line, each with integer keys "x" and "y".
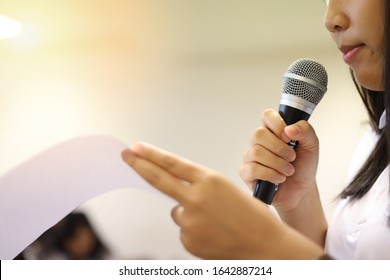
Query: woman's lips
{"x": 350, "y": 53}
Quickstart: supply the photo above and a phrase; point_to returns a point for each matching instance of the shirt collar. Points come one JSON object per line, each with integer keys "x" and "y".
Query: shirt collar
{"x": 382, "y": 120}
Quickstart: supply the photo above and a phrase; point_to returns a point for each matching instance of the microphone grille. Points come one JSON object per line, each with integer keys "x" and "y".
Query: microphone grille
{"x": 307, "y": 79}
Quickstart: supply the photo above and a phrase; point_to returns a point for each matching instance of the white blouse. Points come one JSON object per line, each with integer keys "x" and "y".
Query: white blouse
{"x": 360, "y": 229}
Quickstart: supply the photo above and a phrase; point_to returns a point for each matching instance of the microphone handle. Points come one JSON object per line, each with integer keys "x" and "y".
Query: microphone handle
{"x": 265, "y": 191}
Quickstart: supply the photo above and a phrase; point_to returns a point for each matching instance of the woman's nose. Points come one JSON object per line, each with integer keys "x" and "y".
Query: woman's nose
{"x": 335, "y": 18}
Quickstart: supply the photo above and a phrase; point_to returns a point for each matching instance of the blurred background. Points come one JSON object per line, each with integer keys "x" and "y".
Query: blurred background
{"x": 191, "y": 76}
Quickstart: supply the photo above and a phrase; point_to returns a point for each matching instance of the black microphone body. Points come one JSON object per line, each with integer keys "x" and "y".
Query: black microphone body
{"x": 304, "y": 85}
{"x": 265, "y": 191}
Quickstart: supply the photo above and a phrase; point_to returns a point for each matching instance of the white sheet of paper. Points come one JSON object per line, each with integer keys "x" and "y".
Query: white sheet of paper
{"x": 41, "y": 191}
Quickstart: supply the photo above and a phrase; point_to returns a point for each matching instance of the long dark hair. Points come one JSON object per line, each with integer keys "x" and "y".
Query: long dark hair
{"x": 375, "y": 102}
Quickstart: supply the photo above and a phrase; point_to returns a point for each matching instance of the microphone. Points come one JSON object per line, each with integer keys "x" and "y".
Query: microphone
{"x": 303, "y": 86}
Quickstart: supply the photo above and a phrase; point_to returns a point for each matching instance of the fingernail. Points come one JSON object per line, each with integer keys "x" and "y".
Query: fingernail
{"x": 281, "y": 178}
{"x": 127, "y": 155}
{"x": 289, "y": 169}
{"x": 136, "y": 147}
{"x": 290, "y": 155}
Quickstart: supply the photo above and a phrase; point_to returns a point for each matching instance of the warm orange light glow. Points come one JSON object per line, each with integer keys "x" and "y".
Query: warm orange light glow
{"x": 9, "y": 28}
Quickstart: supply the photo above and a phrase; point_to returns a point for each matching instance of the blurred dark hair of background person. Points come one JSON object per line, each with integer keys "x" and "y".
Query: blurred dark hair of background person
{"x": 73, "y": 238}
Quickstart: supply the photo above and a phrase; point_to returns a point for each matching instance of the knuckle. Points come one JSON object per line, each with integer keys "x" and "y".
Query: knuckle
{"x": 266, "y": 113}
{"x": 250, "y": 171}
{"x": 195, "y": 200}
{"x": 189, "y": 244}
{"x": 243, "y": 171}
{"x": 260, "y": 133}
{"x": 213, "y": 178}
{"x": 247, "y": 155}
{"x": 254, "y": 171}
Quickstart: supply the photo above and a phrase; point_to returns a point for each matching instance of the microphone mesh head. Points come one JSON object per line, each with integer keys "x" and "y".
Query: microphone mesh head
{"x": 307, "y": 79}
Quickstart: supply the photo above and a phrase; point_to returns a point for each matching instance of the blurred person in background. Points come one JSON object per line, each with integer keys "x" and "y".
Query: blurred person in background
{"x": 73, "y": 238}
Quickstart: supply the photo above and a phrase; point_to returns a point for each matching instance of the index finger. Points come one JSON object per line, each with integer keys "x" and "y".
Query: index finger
{"x": 174, "y": 164}
{"x": 155, "y": 175}
{"x": 272, "y": 120}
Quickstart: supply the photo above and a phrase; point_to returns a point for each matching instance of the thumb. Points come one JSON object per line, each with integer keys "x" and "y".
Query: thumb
{"x": 303, "y": 132}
